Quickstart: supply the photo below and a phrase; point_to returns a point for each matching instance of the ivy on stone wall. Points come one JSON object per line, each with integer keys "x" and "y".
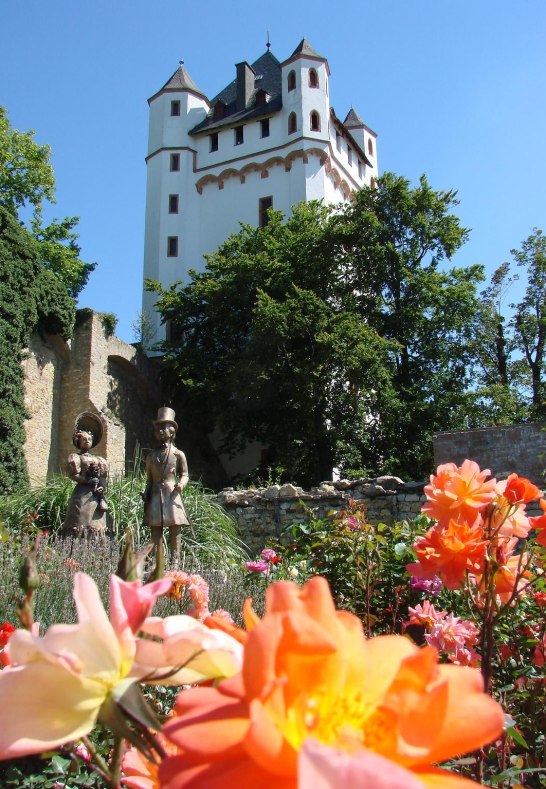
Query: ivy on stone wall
{"x": 31, "y": 299}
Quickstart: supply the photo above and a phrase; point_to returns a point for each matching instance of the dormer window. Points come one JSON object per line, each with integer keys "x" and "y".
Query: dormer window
{"x": 292, "y": 81}
{"x": 313, "y": 78}
{"x": 314, "y": 121}
{"x": 261, "y": 98}
{"x": 219, "y": 109}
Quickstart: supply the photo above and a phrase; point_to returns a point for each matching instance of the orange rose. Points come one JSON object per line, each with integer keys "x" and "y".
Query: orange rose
{"x": 309, "y": 676}
{"x": 459, "y": 492}
{"x": 449, "y": 552}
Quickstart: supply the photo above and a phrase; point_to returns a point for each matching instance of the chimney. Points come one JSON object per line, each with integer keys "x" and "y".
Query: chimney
{"x": 245, "y": 85}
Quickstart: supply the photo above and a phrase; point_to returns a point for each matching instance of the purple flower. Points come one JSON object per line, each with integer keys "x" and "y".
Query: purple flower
{"x": 260, "y": 566}
{"x": 423, "y": 585}
{"x": 268, "y": 554}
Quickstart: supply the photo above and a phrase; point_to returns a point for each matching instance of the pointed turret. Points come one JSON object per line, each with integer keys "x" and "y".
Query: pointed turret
{"x": 180, "y": 81}
{"x": 305, "y": 48}
{"x": 353, "y": 120}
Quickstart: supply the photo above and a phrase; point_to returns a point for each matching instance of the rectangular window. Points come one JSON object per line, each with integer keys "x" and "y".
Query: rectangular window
{"x": 264, "y": 127}
{"x": 213, "y": 139}
{"x": 172, "y": 247}
{"x": 239, "y": 135}
{"x": 173, "y": 204}
{"x": 338, "y": 142}
{"x": 265, "y": 204}
{"x": 175, "y": 162}
{"x": 350, "y": 156}
{"x": 175, "y": 108}
{"x": 359, "y": 169}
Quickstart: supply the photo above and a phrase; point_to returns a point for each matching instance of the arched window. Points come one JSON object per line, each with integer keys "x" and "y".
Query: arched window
{"x": 292, "y": 123}
{"x": 314, "y": 121}
{"x": 292, "y": 81}
{"x": 370, "y": 147}
{"x": 313, "y": 78}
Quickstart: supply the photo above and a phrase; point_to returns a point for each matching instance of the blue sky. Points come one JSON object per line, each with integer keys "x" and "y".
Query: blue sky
{"x": 454, "y": 88}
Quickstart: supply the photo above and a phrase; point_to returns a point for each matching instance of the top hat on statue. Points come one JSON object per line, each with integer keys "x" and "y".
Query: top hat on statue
{"x": 166, "y": 416}
{"x": 88, "y": 422}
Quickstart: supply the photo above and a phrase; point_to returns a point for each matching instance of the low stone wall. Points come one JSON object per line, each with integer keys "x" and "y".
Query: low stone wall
{"x": 267, "y": 512}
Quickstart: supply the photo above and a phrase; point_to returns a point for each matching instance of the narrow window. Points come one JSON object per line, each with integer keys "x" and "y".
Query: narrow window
{"x": 175, "y": 108}
{"x": 213, "y": 141}
{"x": 264, "y": 127}
{"x": 292, "y": 124}
{"x": 175, "y": 162}
{"x": 313, "y": 78}
{"x": 359, "y": 169}
{"x": 265, "y": 204}
{"x": 172, "y": 247}
{"x": 292, "y": 81}
{"x": 314, "y": 119}
{"x": 239, "y": 136}
{"x": 350, "y": 156}
{"x": 370, "y": 147}
{"x": 338, "y": 142}
{"x": 219, "y": 108}
{"x": 173, "y": 204}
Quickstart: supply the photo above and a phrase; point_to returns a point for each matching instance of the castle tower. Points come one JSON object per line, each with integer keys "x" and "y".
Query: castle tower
{"x": 269, "y": 139}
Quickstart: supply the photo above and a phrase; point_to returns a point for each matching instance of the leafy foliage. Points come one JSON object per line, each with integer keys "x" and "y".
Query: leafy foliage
{"x": 27, "y": 180}
{"x": 330, "y": 337}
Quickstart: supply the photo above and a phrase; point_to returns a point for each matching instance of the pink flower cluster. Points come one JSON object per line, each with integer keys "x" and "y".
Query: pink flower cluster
{"x": 264, "y": 564}
{"x": 447, "y": 633}
{"x": 197, "y": 588}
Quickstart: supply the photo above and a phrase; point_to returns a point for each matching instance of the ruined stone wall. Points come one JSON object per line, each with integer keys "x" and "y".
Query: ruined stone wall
{"x": 267, "y": 512}
{"x": 94, "y": 372}
{"x": 519, "y": 448}
{"x": 42, "y": 368}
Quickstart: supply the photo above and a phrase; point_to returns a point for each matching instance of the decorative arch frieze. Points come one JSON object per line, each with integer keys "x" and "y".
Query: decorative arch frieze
{"x": 281, "y": 161}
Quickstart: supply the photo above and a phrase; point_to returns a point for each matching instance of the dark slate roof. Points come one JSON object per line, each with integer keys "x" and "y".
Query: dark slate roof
{"x": 305, "y": 48}
{"x": 181, "y": 80}
{"x": 268, "y": 78}
{"x": 353, "y": 119}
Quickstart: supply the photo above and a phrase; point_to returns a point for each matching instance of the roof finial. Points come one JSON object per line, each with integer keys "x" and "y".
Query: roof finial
{"x": 181, "y": 62}
{"x": 268, "y": 45}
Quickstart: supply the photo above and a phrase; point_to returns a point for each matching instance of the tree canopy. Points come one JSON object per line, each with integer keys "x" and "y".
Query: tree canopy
{"x": 331, "y": 336}
{"x": 27, "y": 182}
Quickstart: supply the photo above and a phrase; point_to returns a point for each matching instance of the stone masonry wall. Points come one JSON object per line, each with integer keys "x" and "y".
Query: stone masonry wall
{"x": 519, "y": 448}
{"x": 94, "y": 372}
{"x": 267, "y": 512}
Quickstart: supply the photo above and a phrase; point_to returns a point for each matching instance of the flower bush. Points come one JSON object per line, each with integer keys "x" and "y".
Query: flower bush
{"x": 416, "y": 661}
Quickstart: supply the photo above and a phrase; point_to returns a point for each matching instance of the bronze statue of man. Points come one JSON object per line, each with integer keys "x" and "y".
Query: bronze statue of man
{"x": 167, "y": 476}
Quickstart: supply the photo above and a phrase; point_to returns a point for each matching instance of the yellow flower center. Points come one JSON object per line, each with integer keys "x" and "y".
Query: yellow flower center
{"x": 345, "y": 721}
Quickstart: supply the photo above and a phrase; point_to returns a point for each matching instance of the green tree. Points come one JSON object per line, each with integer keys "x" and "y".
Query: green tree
{"x": 392, "y": 240}
{"x": 268, "y": 353}
{"x": 331, "y": 337}
{"x": 30, "y": 297}
{"x": 529, "y": 320}
{"x": 27, "y": 181}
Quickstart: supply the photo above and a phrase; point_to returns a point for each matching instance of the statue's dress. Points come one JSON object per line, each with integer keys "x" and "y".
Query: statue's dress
{"x": 83, "y": 517}
{"x": 163, "y": 505}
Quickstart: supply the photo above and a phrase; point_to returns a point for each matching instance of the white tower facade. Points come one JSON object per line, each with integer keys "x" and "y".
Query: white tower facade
{"x": 269, "y": 139}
